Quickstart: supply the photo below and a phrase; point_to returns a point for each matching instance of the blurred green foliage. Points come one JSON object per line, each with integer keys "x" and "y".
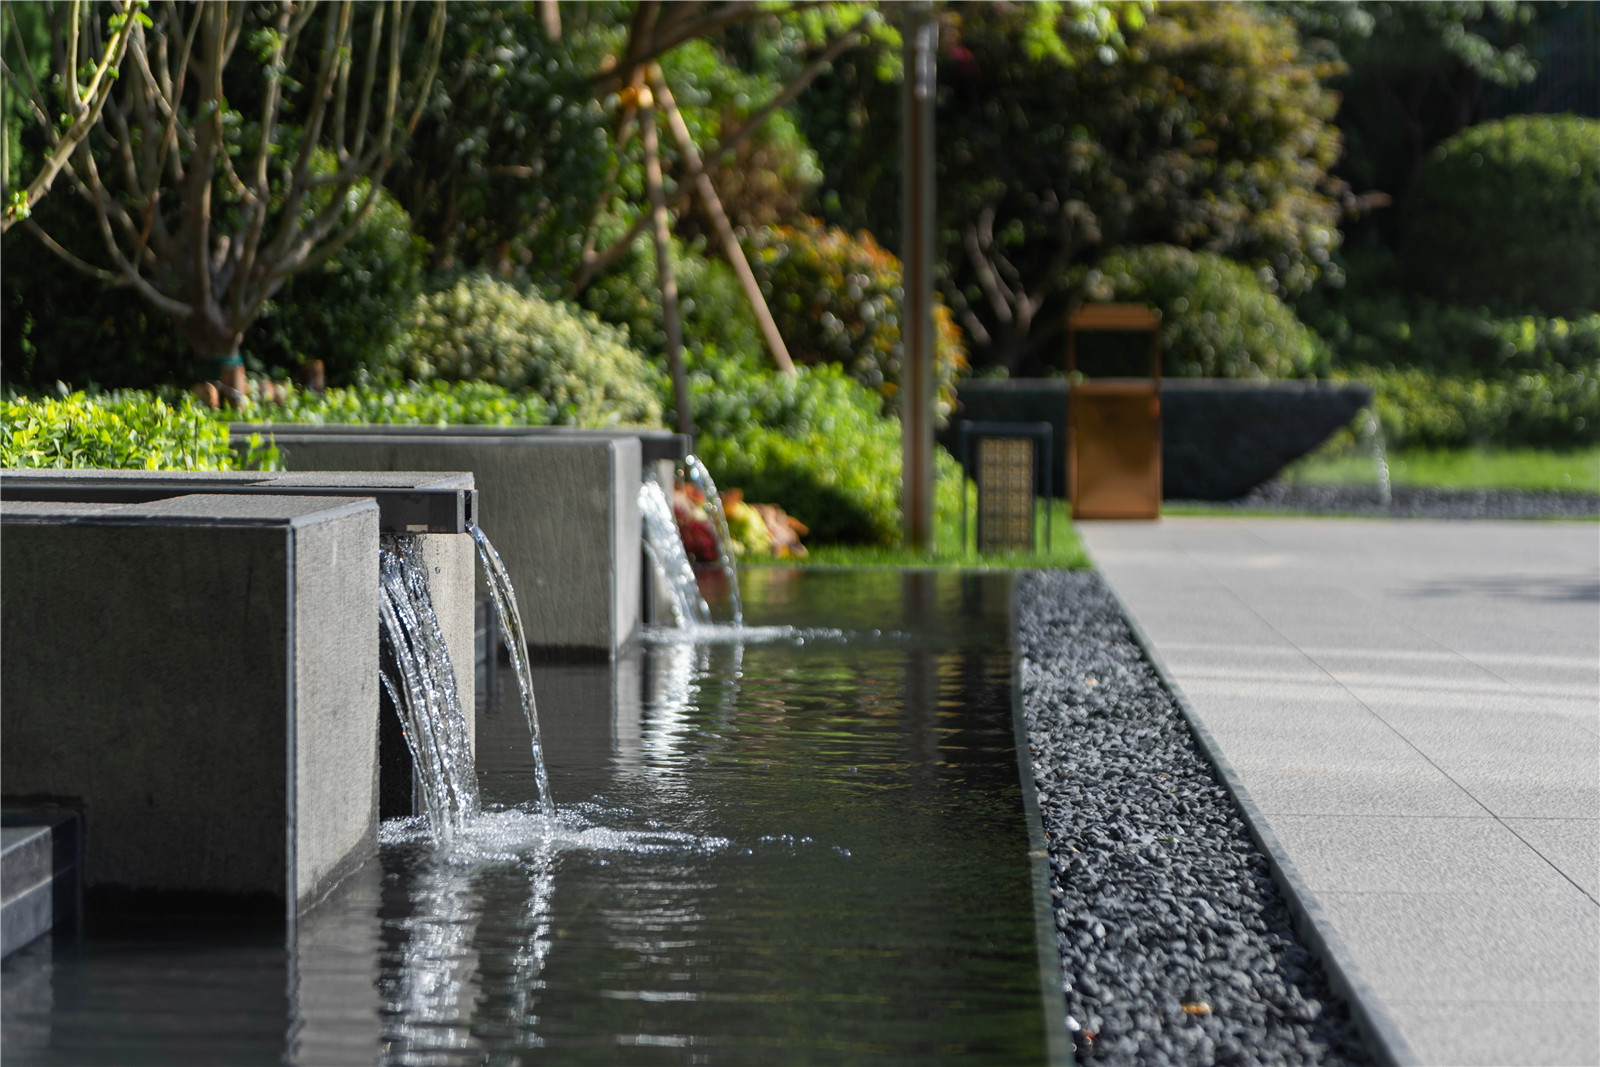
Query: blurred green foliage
{"x": 1411, "y": 75}
{"x": 481, "y": 328}
{"x": 435, "y": 403}
{"x": 712, "y": 309}
{"x": 836, "y": 299}
{"x": 512, "y": 151}
{"x": 1453, "y": 374}
{"x": 1507, "y": 215}
{"x": 348, "y": 311}
{"x": 1209, "y": 130}
{"x": 121, "y": 430}
{"x": 813, "y": 443}
{"x": 1418, "y": 407}
{"x": 1218, "y": 319}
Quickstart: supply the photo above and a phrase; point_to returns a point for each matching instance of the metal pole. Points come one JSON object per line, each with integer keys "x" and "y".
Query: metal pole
{"x": 921, "y": 36}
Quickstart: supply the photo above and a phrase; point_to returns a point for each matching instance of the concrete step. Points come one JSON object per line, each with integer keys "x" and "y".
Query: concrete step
{"x": 39, "y": 872}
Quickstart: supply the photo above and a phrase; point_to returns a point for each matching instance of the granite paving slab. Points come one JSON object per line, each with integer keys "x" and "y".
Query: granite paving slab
{"x": 1414, "y": 706}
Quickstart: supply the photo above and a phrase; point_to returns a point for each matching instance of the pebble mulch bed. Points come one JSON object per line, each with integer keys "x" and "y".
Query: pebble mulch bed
{"x": 1176, "y": 946}
{"x": 1411, "y": 503}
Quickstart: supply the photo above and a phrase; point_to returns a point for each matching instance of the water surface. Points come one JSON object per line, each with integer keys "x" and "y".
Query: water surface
{"x": 806, "y": 847}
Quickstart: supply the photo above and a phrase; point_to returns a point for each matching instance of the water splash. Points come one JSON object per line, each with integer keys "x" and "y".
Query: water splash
{"x": 701, "y": 478}
{"x": 505, "y": 604}
{"x": 1373, "y": 431}
{"x": 425, "y": 693}
{"x": 665, "y": 548}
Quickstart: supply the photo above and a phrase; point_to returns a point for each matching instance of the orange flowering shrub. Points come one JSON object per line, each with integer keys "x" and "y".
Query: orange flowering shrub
{"x": 836, "y": 299}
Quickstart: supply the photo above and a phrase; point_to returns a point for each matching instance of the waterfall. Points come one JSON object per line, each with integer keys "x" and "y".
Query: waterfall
{"x": 666, "y": 552}
{"x": 424, "y": 693}
{"x": 697, "y": 473}
{"x": 1380, "y": 459}
{"x": 505, "y": 604}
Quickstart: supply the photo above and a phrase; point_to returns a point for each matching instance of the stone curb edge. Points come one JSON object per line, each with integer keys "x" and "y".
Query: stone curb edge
{"x": 1383, "y": 1036}
{"x": 1058, "y": 1042}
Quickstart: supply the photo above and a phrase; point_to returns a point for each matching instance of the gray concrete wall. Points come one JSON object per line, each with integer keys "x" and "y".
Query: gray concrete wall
{"x": 563, "y": 513}
{"x": 199, "y": 675}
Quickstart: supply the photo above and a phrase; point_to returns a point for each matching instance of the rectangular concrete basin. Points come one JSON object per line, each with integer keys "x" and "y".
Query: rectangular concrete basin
{"x": 561, "y": 508}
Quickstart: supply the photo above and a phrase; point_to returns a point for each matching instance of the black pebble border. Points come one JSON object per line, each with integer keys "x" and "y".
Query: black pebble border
{"x": 1176, "y": 946}
{"x": 1407, "y": 502}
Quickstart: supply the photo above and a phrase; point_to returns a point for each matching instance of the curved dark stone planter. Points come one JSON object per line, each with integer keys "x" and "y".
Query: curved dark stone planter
{"x": 1220, "y": 438}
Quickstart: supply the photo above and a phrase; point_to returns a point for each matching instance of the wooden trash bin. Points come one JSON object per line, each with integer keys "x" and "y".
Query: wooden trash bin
{"x": 1114, "y": 424}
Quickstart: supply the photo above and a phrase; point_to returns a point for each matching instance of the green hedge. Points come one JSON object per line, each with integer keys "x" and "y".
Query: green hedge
{"x": 1421, "y": 408}
{"x": 1218, "y": 319}
{"x": 433, "y": 403}
{"x": 120, "y": 431}
{"x": 1507, "y": 215}
{"x": 481, "y": 328}
{"x": 1450, "y": 375}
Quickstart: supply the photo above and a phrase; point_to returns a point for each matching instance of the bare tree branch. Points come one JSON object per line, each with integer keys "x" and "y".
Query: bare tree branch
{"x": 85, "y": 107}
{"x": 719, "y": 220}
{"x": 178, "y": 156}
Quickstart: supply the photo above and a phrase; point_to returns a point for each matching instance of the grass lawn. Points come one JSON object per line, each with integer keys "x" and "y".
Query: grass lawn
{"x": 1575, "y": 471}
{"x": 1066, "y": 550}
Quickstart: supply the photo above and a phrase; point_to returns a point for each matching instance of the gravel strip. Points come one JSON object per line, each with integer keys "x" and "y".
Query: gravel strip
{"x": 1176, "y": 946}
{"x": 1410, "y": 502}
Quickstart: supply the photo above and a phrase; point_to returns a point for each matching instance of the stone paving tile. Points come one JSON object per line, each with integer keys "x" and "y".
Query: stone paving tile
{"x": 1530, "y": 766}
{"x": 1374, "y": 854}
{"x": 1572, "y": 845}
{"x": 1444, "y": 947}
{"x": 1459, "y": 680}
{"x": 1343, "y": 786}
{"x": 1492, "y": 1033}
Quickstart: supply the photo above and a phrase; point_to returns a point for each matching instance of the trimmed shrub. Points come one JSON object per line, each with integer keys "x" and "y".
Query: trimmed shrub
{"x": 1420, "y": 408}
{"x": 836, "y": 299}
{"x": 483, "y": 329}
{"x": 1218, "y": 319}
{"x": 712, "y": 309}
{"x": 1507, "y": 215}
{"x": 433, "y": 403}
{"x": 118, "y": 431}
{"x": 1450, "y": 375}
{"x": 349, "y": 311}
{"x": 813, "y": 444}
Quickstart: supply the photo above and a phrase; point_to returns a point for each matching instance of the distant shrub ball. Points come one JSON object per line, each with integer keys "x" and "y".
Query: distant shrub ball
{"x": 1507, "y": 215}
{"x": 484, "y": 329}
{"x": 1218, "y": 319}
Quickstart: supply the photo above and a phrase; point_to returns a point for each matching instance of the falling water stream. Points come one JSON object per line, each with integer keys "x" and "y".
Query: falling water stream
{"x": 1373, "y": 431}
{"x": 701, "y": 478}
{"x": 665, "y": 548}
{"x": 425, "y": 692}
{"x": 505, "y": 604}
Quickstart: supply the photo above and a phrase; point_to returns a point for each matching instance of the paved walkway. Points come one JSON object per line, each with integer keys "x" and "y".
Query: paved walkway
{"x": 1415, "y": 709}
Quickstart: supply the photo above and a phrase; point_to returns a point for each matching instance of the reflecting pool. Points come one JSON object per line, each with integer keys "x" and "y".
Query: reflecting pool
{"x": 802, "y": 845}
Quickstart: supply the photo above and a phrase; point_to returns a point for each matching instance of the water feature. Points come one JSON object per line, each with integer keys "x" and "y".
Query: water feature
{"x": 423, "y": 688}
{"x": 1372, "y": 429}
{"x": 665, "y": 548}
{"x": 510, "y": 616}
{"x": 807, "y": 848}
{"x": 701, "y": 479}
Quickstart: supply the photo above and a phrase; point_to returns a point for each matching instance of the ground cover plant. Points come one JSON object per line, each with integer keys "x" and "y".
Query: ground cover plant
{"x": 122, "y": 431}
